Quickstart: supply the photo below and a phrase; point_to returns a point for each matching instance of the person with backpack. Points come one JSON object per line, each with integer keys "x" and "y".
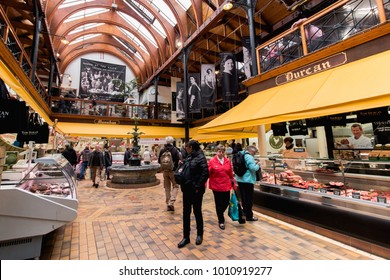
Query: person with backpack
{"x": 169, "y": 159}
{"x": 84, "y": 158}
{"x": 96, "y": 163}
{"x": 193, "y": 187}
{"x": 245, "y": 168}
{"x": 221, "y": 181}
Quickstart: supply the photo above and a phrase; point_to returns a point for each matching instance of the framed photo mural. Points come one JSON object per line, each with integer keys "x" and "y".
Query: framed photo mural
{"x": 229, "y": 77}
{"x": 208, "y": 85}
{"x": 101, "y": 81}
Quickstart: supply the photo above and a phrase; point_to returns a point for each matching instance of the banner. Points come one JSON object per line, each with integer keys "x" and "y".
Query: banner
{"x": 180, "y": 101}
{"x": 373, "y": 115}
{"x": 13, "y": 116}
{"x": 194, "y": 93}
{"x": 36, "y": 131}
{"x": 101, "y": 81}
{"x": 246, "y": 53}
{"x": 339, "y": 119}
{"x": 279, "y": 129}
{"x": 229, "y": 77}
{"x": 382, "y": 132}
{"x": 208, "y": 85}
{"x": 297, "y": 128}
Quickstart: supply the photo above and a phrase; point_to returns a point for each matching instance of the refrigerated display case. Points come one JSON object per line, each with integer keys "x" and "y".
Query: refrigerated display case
{"x": 349, "y": 197}
{"x": 44, "y": 200}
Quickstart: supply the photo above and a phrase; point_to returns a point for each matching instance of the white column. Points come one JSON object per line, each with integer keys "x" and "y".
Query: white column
{"x": 322, "y": 144}
{"x": 262, "y": 140}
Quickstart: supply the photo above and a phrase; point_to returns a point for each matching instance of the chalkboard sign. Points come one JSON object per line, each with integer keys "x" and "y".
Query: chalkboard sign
{"x": 323, "y": 190}
{"x": 382, "y": 199}
{"x": 356, "y": 195}
{"x": 310, "y": 188}
{"x": 336, "y": 192}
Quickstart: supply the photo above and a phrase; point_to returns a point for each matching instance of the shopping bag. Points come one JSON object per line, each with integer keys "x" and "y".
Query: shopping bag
{"x": 233, "y": 211}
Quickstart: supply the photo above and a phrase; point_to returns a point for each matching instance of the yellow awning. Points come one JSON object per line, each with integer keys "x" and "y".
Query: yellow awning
{"x": 111, "y": 131}
{"x": 358, "y": 85}
{"x": 219, "y": 136}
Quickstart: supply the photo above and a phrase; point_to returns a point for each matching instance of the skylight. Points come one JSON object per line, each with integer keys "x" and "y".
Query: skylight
{"x": 70, "y": 3}
{"x": 139, "y": 27}
{"x": 85, "y": 27}
{"x": 86, "y": 13}
{"x": 134, "y": 39}
{"x": 84, "y": 38}
{"x": 185, "y": 4}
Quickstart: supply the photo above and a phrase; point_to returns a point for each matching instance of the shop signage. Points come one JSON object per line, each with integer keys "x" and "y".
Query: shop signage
{"x": 276, "y": 142}
{"x": 105, "y": 122}
{"x": 372, "y": 115}
{"x": 318, "y": 66}
{"x": 356, "y": 195}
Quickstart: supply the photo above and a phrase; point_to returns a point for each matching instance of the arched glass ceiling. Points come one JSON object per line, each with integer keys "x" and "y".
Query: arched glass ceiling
{"x": 134, "y": 38}
{"x": 69, "y": 3}
{"x": 86, "y": 13}
{"x": 84, "y": 38}
{"x": 147, "y": 16}
{"x": 164, "y": 10}
{"x": 85, "y": 27}
{"x": 185, "y": 4}
{"x": 138, "y": 26}
{"x": 129, "y": 47}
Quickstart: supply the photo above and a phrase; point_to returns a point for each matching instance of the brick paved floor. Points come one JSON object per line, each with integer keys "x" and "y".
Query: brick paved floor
{"x": 133, "y": 224}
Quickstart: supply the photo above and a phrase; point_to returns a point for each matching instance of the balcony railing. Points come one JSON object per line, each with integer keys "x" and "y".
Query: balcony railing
{"x": 333, "y": 25}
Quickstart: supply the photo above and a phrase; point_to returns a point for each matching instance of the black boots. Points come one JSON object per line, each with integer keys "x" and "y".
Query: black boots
{"x": 183, "y": 242}
{"x": 199, "y": 240}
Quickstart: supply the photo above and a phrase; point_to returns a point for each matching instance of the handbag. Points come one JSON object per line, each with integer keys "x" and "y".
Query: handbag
{"x": 182, "y": 173}
{"x": 235, "y": 211}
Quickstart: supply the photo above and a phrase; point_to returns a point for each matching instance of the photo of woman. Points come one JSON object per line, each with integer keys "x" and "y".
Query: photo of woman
{"x": 208, "y": 85}
{"x": 229, "y": 77}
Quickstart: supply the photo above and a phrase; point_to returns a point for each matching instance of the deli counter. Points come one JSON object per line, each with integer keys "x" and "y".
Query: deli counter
{"x": 44, "y": 200}
{"x": 348, "y": 197}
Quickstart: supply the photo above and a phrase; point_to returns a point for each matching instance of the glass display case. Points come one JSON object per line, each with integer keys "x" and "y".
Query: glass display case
{"x": 350, "y": 197}
{"x": 54, "y": 178}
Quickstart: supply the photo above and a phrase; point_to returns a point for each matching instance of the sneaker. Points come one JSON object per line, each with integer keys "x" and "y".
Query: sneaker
{"x": 171, "y": 208}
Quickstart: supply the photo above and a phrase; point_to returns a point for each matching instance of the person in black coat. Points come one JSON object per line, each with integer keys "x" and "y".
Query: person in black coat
{"x": 193, "y": 189}
{"x": 70, "y": 154}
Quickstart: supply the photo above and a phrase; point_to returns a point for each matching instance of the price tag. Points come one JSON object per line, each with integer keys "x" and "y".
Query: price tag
{"x": 356, "y": 195}
{"x": 310, "y": 188}
{"x": 336, "y": 192}
{"x": 323, "y": 190}
{"x": 382, "y": 199}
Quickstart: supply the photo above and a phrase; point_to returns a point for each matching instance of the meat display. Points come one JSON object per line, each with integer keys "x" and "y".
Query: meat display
{"x": 61, "y": 189}
{"x": 287, "y": 177}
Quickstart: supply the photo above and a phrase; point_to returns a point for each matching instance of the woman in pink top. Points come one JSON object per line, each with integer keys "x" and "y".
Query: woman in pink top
{"x": 221, "y": 181}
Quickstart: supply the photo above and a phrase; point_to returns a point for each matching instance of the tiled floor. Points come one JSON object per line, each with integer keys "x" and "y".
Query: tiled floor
{"x": 120, "y": 224}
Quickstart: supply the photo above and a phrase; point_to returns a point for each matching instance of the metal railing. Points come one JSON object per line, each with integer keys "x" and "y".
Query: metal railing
{"x": 333, "y": 25}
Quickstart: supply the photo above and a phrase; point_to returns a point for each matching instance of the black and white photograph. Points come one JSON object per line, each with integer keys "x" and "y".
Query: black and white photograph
{"x": 229, "y": 77}
{"x": 208, "y": 85}
{"x": 101, "y": 81}
{"x": 194, "y": 93}
{"x": 180, "y": 101}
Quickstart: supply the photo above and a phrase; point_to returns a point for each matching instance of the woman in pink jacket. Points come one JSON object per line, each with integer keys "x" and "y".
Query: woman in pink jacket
{"x": 221, "y": 181}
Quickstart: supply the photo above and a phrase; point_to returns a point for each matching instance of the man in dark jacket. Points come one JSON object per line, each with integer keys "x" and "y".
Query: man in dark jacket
{"x": 193, "y": 189}
{"x": 96, "y": 163}
{"x": 84, "y": 157}
{"x": 70, "y": 154}
{"x": 170, "y": 186}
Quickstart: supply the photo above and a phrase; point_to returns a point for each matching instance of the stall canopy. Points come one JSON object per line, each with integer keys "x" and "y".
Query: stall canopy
{"x": 358, "y": 85}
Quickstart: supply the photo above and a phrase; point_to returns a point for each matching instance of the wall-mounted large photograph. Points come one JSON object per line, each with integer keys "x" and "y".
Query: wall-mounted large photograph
{"x": 208, "y": 85}
{"x": 101, "y": 81}
{"x": 229, "y": 77}
{"x": 194, "y": 102}
{"x": 180, "y": 101}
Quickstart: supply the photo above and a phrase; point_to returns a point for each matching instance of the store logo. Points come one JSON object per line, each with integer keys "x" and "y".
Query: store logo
{"x": 311, "y": 69}
{"x": 105, "y": 122}
{"x": 276, "y": 142}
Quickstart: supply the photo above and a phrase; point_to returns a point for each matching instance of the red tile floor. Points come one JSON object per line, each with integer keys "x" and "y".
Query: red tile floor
{"x": 133, "y": 224}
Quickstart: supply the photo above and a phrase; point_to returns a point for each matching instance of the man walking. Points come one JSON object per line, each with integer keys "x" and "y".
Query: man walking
{"x": 169, "y": 159}
{"x": 96, "y": 163}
